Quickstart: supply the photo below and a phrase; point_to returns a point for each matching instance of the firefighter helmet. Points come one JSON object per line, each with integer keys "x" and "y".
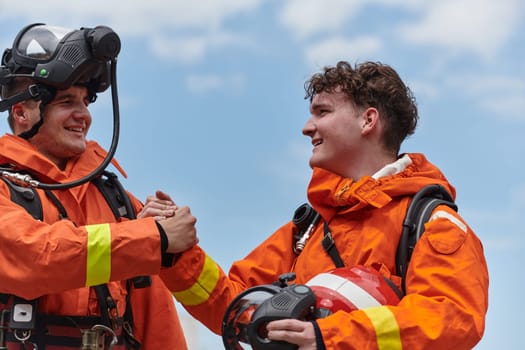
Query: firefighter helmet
{"x": 342, "y": 289}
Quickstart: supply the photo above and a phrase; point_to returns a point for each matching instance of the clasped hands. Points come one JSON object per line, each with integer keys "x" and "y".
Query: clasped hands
{"x": 179, "y": 225}
{"x": 177, "y": 222}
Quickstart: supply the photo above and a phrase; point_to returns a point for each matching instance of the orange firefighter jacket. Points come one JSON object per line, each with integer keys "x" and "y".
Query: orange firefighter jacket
{"x": 58, "y": 260}
{"x": 447, "y": 279}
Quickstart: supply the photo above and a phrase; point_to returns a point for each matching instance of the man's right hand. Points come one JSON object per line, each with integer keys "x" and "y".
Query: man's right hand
{"x": 180, "y": 230}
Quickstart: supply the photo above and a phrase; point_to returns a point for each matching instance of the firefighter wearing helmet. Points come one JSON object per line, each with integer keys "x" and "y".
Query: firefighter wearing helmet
{"x": 73, "y": 266}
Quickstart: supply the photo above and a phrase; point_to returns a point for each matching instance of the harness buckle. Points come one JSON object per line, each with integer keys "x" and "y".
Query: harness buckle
{"x": 95, "y": 338}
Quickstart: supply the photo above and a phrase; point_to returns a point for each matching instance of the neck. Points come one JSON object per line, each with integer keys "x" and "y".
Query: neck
{"x": 369, "y": 164}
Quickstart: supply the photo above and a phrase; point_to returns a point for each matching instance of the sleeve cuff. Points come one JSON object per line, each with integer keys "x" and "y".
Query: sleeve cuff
{"x": 167, "y": 259}
{"x": 318, "y": 337}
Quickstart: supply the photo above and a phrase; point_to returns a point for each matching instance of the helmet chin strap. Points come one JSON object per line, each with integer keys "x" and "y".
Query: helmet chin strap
{"x": 36, "y": 92}
{"x": 47, "y": 94}
{"x": 34, "y": 129}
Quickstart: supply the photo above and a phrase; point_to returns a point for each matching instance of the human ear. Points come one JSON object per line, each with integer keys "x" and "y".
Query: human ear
{"x": 21, "y": 114}
{"x": 370, "y": 117}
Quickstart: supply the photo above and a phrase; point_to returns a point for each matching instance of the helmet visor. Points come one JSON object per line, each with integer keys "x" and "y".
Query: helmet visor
{"x": 40, "y": 42}
{"x": 239, "y": 314}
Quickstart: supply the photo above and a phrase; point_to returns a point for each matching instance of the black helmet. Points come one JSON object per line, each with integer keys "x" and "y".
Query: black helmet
{"x": 60, "y": 58}
{"x": 57, "y": 58}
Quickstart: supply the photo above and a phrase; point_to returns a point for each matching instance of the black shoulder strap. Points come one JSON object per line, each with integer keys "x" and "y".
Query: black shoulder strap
{"x": 418, "y": 213}
{"x": 113, "y": 191}
{"x": 421, "y": 207}
{"x": 117, "y": 198}
{"x": 120, "y": 204}
{"x": 26, "y": 197}
{"x": 330, "y": 247}
{"x": 109, "y": 186}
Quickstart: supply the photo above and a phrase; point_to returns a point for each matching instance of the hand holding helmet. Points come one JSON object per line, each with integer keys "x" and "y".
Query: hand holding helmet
{"x": 342, "y": 289}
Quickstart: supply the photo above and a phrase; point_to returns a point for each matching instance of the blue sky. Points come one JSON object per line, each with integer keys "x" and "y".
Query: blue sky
{"x": 211, "y": 100}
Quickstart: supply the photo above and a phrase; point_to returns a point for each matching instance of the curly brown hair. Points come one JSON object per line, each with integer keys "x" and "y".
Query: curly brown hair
{"x": 372, "y": 84}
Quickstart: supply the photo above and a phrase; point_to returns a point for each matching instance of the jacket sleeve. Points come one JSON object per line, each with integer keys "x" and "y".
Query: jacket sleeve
{"x": 200, "y": 284}
{"x": 446, "y": 301}
{"x": 38, "y": 258}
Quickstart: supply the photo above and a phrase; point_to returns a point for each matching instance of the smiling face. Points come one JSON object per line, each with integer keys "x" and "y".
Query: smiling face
{"x": 336, "y": 130}
{"x": 62, "y": 136}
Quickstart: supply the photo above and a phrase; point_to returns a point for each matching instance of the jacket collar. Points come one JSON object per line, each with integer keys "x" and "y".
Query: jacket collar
{"x": 330, "y": 193}
{"x": 22, "y": 155}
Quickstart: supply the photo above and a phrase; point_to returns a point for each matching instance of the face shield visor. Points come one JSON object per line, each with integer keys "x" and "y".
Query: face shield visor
{"x": 247, "y": 316}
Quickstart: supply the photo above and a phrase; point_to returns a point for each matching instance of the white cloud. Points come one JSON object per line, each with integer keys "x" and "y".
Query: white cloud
{"x": 501, "y": 95}
{"x": 201, "y": 84}
{"x": 181, "y": 49}
{"x": 308, "y": 17}
{"x": 501, "y": 229}
{"x": 454, "y": 27}
{"x": 331, "y": 50}
{"x": 424, "y": 89}
{"x": 194, "y": 48}
{"x": 166, "y": 23}
{"x": 478, "y": 26}
{"x": 133, "y": 16}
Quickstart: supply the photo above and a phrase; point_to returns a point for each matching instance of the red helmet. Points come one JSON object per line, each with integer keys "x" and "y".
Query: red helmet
{"x": 345, "y": 289}
{"x": 352, "y": 288}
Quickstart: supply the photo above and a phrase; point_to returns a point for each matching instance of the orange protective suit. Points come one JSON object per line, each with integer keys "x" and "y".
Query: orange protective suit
{"x": 447, "y": 279}
{"x": 50, "y": 259}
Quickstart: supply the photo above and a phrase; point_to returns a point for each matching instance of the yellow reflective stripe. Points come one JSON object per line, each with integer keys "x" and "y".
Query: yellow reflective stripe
{"x": 387, "y": 329}
{"x": 200, "y": 291}
{"x": 98, "y": 265}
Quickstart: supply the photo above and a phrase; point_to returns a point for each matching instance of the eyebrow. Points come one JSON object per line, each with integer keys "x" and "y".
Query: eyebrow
{"x": 319, "y": 105}
{"x": 60, "y": 96}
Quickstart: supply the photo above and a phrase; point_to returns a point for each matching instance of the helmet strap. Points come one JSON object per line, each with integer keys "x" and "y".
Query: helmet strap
{"x": 37, "y": 92}
{"x": 34, "y": 129}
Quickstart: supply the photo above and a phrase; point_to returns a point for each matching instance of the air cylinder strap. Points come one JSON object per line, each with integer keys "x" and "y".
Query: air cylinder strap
{"x": 330, "y": 247}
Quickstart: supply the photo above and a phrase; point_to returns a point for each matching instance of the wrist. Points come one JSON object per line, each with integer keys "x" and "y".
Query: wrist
{"x": 167, "y": 259}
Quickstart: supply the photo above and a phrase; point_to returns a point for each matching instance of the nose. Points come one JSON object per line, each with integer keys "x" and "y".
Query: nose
{"x": 81, "y": 109}
{"x": 81, "y": 112}
{"x": 309, "y": 127}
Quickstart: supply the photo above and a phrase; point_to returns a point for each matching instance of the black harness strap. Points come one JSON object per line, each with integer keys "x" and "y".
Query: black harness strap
{"x": 27, "y": 198}
{"x": 120, "y": 204}
{"x": 330, "y": 247}
{"x": 129, "y": 324}
{"x": 62, "y": 211}
{"x": 115, "y": 195}
{"x": 107, "y": 305}
{"x": 418, "y": 213}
